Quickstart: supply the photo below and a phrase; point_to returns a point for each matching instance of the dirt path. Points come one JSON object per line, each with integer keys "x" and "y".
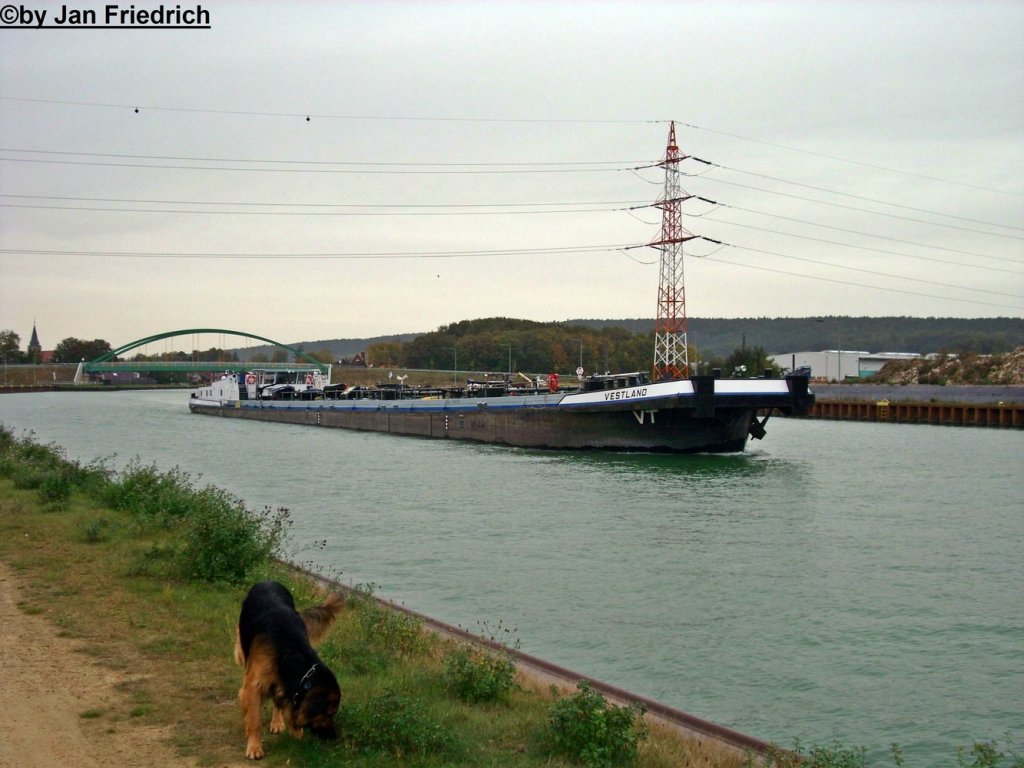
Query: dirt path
{"x": 47, "y": 684}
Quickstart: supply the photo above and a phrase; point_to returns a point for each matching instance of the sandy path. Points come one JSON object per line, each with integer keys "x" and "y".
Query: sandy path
{"x": 47, "y": 683}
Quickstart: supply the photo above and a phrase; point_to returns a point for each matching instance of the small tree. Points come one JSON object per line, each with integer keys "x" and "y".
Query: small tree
{"x": 72, "y": 350}
{"x": 747, "y": 362}
{"x": 10, "y": 344}
{"x": 324, "y": 356}
{"x": 390, "y": 353}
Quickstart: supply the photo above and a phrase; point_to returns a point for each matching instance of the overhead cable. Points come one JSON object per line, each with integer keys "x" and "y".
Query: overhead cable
{"x": 864, "y": 210}
{"x": 868, "y": 199}
{"x": 862, "y": 163}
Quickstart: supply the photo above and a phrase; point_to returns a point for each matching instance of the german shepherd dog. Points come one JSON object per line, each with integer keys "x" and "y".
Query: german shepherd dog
{"x": 274, "y": 645}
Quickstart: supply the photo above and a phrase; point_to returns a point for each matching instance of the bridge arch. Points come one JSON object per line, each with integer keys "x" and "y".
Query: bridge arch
{"x": 189, "y": 331}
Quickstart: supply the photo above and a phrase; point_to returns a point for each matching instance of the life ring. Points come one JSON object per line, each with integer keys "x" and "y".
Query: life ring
{"x": 309, "y": 379}
{"x": 552, "y": 383}
{"x": 250, "y": 378}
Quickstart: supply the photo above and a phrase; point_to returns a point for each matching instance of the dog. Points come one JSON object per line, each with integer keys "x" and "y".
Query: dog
{"x": 274, "y": 644}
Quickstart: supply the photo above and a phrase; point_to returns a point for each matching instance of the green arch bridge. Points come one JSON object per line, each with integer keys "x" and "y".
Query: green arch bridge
{"x": 108, "y": 364}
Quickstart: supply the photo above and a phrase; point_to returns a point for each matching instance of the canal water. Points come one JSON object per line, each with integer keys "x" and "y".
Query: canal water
{"x": 839, "y": 581}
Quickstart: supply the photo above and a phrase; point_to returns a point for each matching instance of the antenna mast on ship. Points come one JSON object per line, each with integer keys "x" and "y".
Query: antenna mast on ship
{"x": 670, "y": 356}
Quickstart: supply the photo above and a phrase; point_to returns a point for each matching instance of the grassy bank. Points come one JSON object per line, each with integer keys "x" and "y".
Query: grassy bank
{"x": 147, "y": 572}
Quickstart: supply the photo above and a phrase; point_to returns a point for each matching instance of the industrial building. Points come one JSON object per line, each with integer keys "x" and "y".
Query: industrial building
{"x": 839, "y": 364}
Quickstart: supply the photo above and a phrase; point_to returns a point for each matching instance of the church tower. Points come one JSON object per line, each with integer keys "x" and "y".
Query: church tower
{"x": 35, "y": 349}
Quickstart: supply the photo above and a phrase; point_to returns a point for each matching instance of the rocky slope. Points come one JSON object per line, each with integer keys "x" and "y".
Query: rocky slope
{"x": 1006, "y": 369}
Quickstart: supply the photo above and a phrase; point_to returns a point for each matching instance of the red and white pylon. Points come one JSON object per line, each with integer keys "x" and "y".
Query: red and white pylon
{"x": 670, "y": 356}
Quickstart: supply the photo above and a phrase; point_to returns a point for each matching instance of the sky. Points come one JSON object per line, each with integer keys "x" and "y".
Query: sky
{"x": 312, "y": 170}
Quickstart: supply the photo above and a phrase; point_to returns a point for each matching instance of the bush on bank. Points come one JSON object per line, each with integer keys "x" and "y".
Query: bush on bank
{"x": 212, "y": 536}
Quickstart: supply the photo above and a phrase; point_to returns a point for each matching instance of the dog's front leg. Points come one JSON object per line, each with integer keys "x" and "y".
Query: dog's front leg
{"x": 277, "y": 719}
{"x": 250, "y": 699}
{"x": 284, "y": 719}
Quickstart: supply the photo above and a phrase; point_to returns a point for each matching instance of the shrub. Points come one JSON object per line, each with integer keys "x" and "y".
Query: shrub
{"x": 986, "y": 754}
{"x": 156, "y": 498}
{"x": 26, "y": 476}
{"x": 586, "y": 728}
{"x": 223, "y": 541}
{"x": 392, "y": 722}
{"x": 95, "y": 531}
{"x": 55, "y": 489}
{"x": 479, "y": 674}
{"x": 834, "y": 755}
{"x": 32, "y": 466}
{"x": 220, "y": 540}
{"x": 388, "y": 629}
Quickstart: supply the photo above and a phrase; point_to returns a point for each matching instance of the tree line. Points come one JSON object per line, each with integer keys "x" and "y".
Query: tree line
{"x": 70, "y": 350}
{"x": 718, "y": 336}
{"x": 497, "y": 344}
{"x": 501, "y": 344}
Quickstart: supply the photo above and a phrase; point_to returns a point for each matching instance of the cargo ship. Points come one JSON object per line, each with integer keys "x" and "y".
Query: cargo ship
{"x": 617, "y": 412}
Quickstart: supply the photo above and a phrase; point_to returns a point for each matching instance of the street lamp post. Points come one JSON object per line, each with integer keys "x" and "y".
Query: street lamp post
{"x": 580, "y": 341}
{"x": 839, "y": 359}
{"x": 580, "y": 369}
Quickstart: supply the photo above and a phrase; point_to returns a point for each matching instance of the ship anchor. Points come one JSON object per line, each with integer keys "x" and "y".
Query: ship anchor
{"x": 756, "y": 429}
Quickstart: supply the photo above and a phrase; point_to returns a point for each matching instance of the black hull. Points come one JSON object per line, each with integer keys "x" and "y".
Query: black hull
{"x": 673, "y": 430}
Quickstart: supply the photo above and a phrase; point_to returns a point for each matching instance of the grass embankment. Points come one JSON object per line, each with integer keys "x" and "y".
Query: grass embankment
{"x": 148, "y": 573}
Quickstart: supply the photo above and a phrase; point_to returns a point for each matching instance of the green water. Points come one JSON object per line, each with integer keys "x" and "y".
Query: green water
{"x": 860, "y": 582}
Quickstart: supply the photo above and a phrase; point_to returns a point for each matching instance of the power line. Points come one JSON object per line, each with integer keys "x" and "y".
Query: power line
{"x": 852, "y": 162}
{"x": 873, "y": 250}
{"x": 864, "y": 210}
{"x": 557, "y": 121}
{"x": 315, "y": 162}
{"x": 867, "y": 234}
{"x": 320, "y": 116}
{"x": 358, "y": 170}
{"x": 533, "y": 212}
{"x": 568, "y": 250}
{"x": 847, "y": 282}
{"x": 876, "y": 273}
{"x": 868, "y": 199}
{"x": 144, "y": 201}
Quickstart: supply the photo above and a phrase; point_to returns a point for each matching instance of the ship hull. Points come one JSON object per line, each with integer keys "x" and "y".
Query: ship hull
{"x": 674, "y": 431}
{"x": 679, "y": 417}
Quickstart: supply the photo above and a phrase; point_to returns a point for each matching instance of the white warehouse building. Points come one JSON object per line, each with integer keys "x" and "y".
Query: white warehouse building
{"x": 839, "y": 364}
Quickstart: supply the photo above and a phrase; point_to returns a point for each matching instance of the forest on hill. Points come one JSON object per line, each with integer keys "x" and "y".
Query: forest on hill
{"x": 778, "y": 335}
{"x": 611, "y": 344}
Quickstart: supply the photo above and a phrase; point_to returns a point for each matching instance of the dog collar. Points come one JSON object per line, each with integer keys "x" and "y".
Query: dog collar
{"x": 302, "y": 685}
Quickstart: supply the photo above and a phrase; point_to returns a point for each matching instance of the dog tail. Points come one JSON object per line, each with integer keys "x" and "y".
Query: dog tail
{"x": 239, "y": 655}
{"x": 318, "y": 618}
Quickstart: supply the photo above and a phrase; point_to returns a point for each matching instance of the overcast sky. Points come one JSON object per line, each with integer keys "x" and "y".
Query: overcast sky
{"x": 868, "y": 160}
